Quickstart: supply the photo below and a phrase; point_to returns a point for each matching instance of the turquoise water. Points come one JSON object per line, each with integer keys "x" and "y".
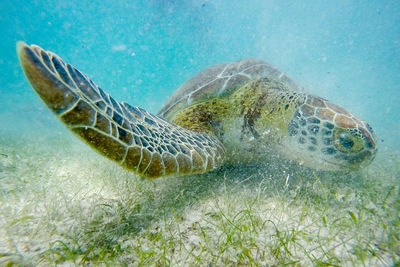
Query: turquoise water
{"x": 140, "y": 51}
{"x": 55, "y": 192}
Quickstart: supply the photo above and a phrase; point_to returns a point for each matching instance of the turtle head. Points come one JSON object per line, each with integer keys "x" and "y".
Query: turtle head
{"x": 325, "y": 136}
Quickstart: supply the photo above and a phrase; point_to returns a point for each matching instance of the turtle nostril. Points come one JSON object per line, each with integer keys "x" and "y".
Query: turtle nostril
{"x": 369, "y": 128}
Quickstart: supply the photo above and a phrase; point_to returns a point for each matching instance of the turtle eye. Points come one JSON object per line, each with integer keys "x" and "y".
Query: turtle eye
{"x": 348, "y": 142}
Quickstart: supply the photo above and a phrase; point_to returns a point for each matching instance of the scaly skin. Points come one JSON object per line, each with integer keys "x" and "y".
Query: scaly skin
{"x": 249, "y": 122}
{"x": 247, "y": 108}
{"x": 139, "y": 141}
{"x": 265, "y": 117}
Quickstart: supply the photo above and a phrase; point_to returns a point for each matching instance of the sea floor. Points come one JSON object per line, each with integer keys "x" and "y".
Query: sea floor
{"x": 61, "y": 203}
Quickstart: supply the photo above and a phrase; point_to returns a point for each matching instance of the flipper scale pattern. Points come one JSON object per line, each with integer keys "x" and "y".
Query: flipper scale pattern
{"x": 139, "y": 141}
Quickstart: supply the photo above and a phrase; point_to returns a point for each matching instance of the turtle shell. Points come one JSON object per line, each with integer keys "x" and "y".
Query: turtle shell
{"x": 221, "y": 80}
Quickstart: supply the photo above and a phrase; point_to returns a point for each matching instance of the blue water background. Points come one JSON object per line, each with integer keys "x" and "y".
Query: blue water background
{"x": 141, "y": 51}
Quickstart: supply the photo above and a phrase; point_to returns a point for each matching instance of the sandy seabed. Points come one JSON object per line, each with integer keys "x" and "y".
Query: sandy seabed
{"x": 61, "y": 203}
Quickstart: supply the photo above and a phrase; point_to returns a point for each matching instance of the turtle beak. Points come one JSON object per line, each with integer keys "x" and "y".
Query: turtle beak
{"x": 370, "y": 140}
{"x": 362, "y": 160}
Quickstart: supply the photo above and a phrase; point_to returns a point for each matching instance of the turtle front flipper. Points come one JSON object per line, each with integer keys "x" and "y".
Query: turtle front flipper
{"x": 139, "y": 141}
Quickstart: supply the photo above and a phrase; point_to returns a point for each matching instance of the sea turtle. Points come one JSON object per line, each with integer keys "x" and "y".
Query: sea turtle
{"x": 245, "y": 111}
